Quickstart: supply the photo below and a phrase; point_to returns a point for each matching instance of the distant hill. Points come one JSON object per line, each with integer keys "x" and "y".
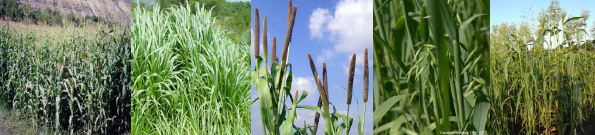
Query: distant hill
{"x": 111, "y": 10}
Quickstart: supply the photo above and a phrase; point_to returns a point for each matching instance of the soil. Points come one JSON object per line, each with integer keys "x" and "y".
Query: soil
{"x": 11, "y": 126}
{"x": 113, "y": 10}
{"x": 4, "y": 125}
{"x": 589, "y": 126}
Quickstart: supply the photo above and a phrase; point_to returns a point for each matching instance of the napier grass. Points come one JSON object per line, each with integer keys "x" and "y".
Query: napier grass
{"x": 67, "y": 85}
{"x": 188, "y": 77}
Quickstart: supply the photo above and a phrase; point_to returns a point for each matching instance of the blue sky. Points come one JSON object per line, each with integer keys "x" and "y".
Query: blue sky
{"x": 511, "y": 11}
{"x": 331, "y": 31}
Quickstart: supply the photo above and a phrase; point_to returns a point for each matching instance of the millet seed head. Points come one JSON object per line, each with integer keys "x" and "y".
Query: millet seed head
{"x": 325, "y": 84}
{"x": 274, "y": 49}
{"x": 366, "y": 73}
{"x": 264, "y": 38}
{"x": 256, "y": 33}
{"x": 350, "y": 82}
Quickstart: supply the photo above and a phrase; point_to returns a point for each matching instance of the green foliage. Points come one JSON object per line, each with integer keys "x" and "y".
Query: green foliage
{"x": 188, "y": 77}
{"x": 431, "y": 63}
{"x": 234, "y": 17}
{"x": 11, "y": 10}
{"x": 543, "y": 90}
{"x": 274, "y": 89}
{"x": 74, "y": 86}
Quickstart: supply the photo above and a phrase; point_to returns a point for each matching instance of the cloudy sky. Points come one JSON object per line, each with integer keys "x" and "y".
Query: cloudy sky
{"x": 331, "y": 31}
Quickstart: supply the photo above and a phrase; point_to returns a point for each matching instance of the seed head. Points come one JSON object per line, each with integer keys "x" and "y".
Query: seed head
{"x": 316, "y": 77}
{"x": 366, "y": 75}
{"x": 256, "y": 33}
{"x": 350, "y": 82}
{"x": 325, "y": 84}
{"x": 264, "y": 37}
{"x": 288, "y": 34}
{"x": 274, "y": 52}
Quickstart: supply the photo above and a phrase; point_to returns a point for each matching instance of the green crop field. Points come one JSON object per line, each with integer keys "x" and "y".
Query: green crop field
{"x": 431, "y": 61}
{"x": 542, "y": 76}
{"x": 68, "y": 79}
{"x": 188, "y": 76}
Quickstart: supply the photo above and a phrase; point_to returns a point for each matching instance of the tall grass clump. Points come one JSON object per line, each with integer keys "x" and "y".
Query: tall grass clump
{"x": 273, "y": 84}
{"x": 431, "y": 62}
{"x": 74, "y": 85}
{"x": 188, "y": 77}
{"x": 545, "y": 89}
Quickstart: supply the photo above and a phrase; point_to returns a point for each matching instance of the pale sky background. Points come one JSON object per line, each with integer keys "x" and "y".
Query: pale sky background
{"x": 511, "y": 11}
{"x": 331, "y": 31}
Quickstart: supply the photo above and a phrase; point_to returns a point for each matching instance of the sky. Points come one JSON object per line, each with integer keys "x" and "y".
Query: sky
{"x": 331, "y": 31}
{"x": 511, "y": 11}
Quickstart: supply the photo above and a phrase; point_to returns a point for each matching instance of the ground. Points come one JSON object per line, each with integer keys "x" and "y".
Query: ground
{"x": 11, "y": 126}
{"x": 589, "y": 126}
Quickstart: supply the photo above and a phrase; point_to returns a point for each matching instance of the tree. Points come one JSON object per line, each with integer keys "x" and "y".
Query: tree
{"x": 585, "y": 14}
{"x": 593, "y": 30}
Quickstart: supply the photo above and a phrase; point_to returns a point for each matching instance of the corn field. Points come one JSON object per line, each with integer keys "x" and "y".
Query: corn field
{"x": 431, "y": 62}
{"x": 188, "y": 76}
{"x": 70, "y": 86}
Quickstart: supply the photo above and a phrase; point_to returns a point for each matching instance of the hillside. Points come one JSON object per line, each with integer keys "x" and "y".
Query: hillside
{"x": 112, "y": 10}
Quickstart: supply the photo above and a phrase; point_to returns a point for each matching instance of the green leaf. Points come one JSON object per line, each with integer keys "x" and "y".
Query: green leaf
{"x": 385, "y": 106}
{"x": 480, "y": 116}
{"x": 266, "y": 105}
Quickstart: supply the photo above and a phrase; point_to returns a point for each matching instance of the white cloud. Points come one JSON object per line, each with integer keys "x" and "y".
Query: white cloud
{"x": 305, "y": 84}
{"x": 318, "y": 19}
{"x": 325, "y": 56}
{"x": 352, "y": 24}
{"x": 349, "y": 27}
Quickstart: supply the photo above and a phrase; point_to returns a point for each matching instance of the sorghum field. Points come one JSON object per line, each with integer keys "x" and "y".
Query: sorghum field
{"x": 542, "y": 75}
{"x": 188, "y": 77}
{"x": 432, "y": 66}
{"x": 67, "y": 79}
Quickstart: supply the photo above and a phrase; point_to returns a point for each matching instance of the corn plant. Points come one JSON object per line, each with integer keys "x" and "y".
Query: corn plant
{"x": 188, "y": 77}
{"x": 74, "y": 85}
{"x": 431, "y": 62}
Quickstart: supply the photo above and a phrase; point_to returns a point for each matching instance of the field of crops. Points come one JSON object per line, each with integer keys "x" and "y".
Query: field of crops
{"x": 546, "y": 85}
{"x": 431, "y": 61}
{"x": 77, "y": 83}
{"x": 188, "y": 76}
